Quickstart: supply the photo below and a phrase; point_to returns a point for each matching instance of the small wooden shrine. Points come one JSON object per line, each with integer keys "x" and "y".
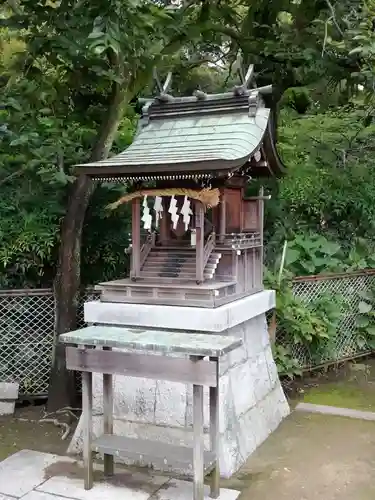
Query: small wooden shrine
{"x": 196, "y": 238}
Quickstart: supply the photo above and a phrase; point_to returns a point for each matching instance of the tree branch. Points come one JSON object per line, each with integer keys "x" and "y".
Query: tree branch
{"x": 333, "y": 15}
{"x": 17, "y": 173}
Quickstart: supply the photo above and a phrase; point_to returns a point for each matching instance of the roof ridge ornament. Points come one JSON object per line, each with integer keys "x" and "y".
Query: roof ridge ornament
{"x": 245, "y": 78}
{"x": 243, "y": 89}
{"x": 163, "y": 88}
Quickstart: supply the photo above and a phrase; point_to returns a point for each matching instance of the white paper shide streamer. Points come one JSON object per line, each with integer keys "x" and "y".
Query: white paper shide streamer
{"x": 186, "y": 212}
{"x": 158, "y": 209}
{"x": 173, "y": 210}
{"x": 146, "y": 217}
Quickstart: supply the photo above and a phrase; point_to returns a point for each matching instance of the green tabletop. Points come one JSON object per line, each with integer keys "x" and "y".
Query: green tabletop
{"x": 162, "y": 341}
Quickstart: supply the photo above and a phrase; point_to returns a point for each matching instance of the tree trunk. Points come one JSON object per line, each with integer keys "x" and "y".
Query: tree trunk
{"x": 62, "y": 388}
{"x": 62, "y": 391}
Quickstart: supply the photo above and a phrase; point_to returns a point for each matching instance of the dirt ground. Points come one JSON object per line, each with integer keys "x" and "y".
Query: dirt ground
{"x": 312, "y": 457}
{"x": 23, "y": 431}
{"x": 309, "y": 457}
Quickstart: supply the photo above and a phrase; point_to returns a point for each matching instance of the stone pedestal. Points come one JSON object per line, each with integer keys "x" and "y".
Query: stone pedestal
{"x": 252, "y": 402}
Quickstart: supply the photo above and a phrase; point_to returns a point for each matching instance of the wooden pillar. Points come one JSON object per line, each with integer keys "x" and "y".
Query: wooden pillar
{"x": 246, "y": 270}
{"x": 199, "y": 249}
{"x": 108, "y": 416}
{"x": 261, "y": 231}
{"x": 87, "y": 429}
{"x": 214, "y": 433}
{"x": 223, "y": 215}
{"x": 164, "y": 224}
{"x": 198, "y": 439}
{"x": 136, "y": 238}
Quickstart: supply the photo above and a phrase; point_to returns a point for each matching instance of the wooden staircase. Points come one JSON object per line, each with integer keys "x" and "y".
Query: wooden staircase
{"x": 176, "y": 263}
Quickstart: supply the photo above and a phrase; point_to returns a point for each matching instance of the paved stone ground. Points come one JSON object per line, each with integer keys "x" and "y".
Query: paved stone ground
{"x": 32, "y": 475}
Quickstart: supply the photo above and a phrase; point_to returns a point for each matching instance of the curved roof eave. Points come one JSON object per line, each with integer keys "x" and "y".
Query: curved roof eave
{"x": 219, "y": 142}
{"x": 275, "y": 163}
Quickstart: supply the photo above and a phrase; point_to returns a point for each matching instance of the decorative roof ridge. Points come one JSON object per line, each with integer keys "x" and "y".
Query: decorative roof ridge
{"x": 248, "y": 101}
{"x": 240, "y": 98}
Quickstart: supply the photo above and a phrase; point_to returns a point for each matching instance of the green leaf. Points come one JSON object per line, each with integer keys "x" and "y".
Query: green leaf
{"x": 356, "y": 50}
{"x": 292, "y": 256}
{"x": 362, "y": 321}
{"x": 99, "y": 49}
{"x": 330, "y": 248}
{"x": 361, "y": 341}
{"x": 96, "y": 34}
{"x": 364, "y": 307}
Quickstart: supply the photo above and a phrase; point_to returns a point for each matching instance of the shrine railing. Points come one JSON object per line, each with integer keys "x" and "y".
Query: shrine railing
{"x": 239, "y": 241}
{"x": 148, "y": 244}
{"x": 208, "y": 248}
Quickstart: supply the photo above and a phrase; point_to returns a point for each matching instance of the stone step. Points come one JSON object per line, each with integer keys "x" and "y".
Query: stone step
{"x": 182, "y": 265}
{"x": 178, "y": 260}
{"x": 171, "y": 258}
{"x": 170, "y": 274}
{"x": 182, "y": 251}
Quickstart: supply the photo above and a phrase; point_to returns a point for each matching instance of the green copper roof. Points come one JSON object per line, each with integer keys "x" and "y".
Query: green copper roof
{"x": 190, "y": 135}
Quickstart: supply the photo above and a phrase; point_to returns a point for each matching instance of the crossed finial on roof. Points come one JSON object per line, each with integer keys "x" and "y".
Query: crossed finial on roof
{"x": 163, "y": 88}
{"x": 237, "y": 67}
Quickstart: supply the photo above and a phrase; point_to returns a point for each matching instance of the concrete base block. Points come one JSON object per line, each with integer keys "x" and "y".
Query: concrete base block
{"x": 7, "y": 407}
{"x": 251, "y": 401}
{"x": 8, "y": 397}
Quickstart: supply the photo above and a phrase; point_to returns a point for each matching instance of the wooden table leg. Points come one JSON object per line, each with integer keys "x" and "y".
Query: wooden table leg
{"x": 198, "y": 452}
{"x": 108, "y": 417}
{"x": 214, "y": 433}
{"x": 87, "y": 429}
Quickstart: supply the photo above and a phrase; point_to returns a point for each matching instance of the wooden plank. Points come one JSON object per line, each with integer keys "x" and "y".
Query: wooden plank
{"x": 142, "y": 365}
{"x": 233, "y": 210}
{"x": 261, "y": 230}
{"x": 199, "y": 247}
{"x": 198, "y": 442}
{"x": 214, "y": 435}
{"x": 222, "y": 217}
{"x": 108, "y": 417}
{"x": 163, "y": 455}
{"x": 87, "y": 430}
{"x": 136, "y": 238}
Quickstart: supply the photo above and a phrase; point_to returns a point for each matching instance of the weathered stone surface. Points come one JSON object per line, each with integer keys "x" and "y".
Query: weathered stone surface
{"x": 182, "y": 490}
{"x": 252, "y": 403}
{"x": 192, "y": 343}
{"x": 29, "y": 466}
{"x": 128, "y": 486}
{"x": 179, "y": 317}
{"x": 39, "y": 495}
{"x": 8, "y": 397}
{"x": 9, "y": 391}
{"x": 7, "y": 407}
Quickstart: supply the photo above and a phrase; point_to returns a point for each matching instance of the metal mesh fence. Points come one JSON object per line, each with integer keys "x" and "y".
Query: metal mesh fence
{"x": 27, "y": 321}
{"x": 27, "y": 327}
{"x": 87, "y": 296}
{"x": 26, "y": 335}
{"x": 344, "y": 291}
